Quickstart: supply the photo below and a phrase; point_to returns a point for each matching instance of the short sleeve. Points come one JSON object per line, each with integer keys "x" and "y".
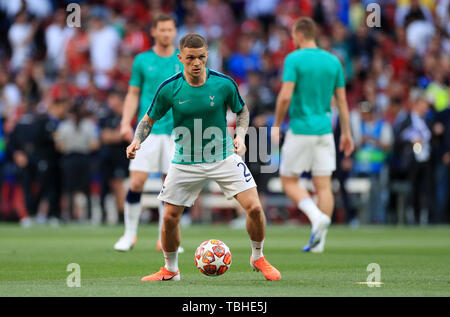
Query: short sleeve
{"x": 340, "y": 80}
{"x": 161, "y": 103}
{"x": 289, "y": 72}
{"x": 136, "y": 75}
{"x": 235, "y": 101}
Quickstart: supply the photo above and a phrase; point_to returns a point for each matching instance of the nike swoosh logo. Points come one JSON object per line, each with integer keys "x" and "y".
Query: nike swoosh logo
{"x": 247, "y": 180}
{"x": 168, "y": 279}
{"x": 181, "y": 102}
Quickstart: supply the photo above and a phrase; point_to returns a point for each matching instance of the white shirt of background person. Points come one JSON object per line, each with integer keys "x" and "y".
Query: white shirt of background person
{"x": 56, "y": 38}
{"x": 104, "y": 45}
{"x": 17, "y": 35}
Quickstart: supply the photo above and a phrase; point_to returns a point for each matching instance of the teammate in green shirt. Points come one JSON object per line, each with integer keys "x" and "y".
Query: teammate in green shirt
{"x": 311, "y": 77}
{"x": 199, "y": 98}
{"x": 149, "y": 70}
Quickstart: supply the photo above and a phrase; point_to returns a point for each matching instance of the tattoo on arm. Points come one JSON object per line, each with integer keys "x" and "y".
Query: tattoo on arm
{"x": 143, "y": 130}
{"x": 242, "y": 121}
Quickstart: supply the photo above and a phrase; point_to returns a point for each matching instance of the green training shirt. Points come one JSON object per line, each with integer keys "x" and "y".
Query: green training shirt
{"x": 316, "y": 74}
{"x": 148, "y": 72}
{"x": 199, "y": 116}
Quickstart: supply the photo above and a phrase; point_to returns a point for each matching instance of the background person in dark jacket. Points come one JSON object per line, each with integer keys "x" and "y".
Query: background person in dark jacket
{"x": 446, "y": 161}
{"x": 22, "y": 151}
{"x": 48, "y": 158}
{"x": 414, "y": 135}
{"x": 114, "y": 163}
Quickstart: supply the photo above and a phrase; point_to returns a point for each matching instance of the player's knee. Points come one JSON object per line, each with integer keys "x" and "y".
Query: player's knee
{"x": 254, "y": 210}
{"x": 137, "y": 184}
{"x": 171, "y": 219}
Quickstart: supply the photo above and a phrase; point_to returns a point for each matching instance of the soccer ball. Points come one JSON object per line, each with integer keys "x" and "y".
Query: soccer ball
{"x": 213, "y": 257}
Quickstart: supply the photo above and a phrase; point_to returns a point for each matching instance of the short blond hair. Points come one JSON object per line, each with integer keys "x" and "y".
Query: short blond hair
{"x": 306, "y": 26}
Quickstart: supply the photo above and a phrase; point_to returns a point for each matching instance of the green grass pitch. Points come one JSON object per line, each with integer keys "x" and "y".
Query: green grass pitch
{"x": 414, "y": 262}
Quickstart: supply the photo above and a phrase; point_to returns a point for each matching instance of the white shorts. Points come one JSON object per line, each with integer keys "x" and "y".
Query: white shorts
{"x": 155, "y": 154}
{"x": 185, "y": 181}
{"x": 304, "y": 153}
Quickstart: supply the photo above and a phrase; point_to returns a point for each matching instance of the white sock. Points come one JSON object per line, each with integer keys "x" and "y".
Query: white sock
{"x": 310, "y": 209}
{"x": 171, "y": 259}
{"x": 161, "y": 217}
{"x": 132, "y": 214}
{"x": 257, "y": 249}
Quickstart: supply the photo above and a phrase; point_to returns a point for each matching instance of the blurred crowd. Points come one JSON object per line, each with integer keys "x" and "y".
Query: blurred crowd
{"x": 62, "y": 91}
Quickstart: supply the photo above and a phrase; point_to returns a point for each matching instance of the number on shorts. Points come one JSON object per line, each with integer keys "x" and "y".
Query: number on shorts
{"x": 246, "y": 174}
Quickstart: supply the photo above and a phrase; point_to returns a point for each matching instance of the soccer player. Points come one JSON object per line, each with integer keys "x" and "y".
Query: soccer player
{"x": 311, "y": 77}
{"x": 149, "y": 70}
{"x": 199, "y": 97}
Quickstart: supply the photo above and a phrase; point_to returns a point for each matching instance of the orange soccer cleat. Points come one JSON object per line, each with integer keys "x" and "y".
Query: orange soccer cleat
{"x": 162, "y": 275}
{"x": 267, "y": 269}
